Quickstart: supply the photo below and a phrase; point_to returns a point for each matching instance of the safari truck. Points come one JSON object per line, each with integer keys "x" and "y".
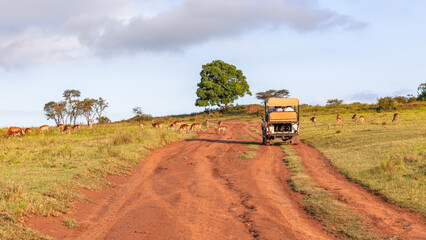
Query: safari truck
{"x": 281, "y": 120}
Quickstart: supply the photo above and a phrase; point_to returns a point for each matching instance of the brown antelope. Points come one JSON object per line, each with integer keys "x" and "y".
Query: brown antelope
{"x": 28, "y": 130}
{"x": 177, "y": 123}
{"x": 221, "y": 130}
{"x": 362, "y": 119}
{"x": 43, "y": 128}
{"x": 76, "y": 127}
{"x": 219, "y": 123}
{"x": 355, "y": 117}
{"x": 61, "y": 127}
{"x": 314, "y": 120}
{"x": 157, "y": 125}
{"x": 339, "y": 119}
{"x": 395, "y": 118}
{"x": 184, "y": 127}
{"x": 67, "y": 129}
{"x": 141, "y": 126}
{"x": 171, "y": 126}
{"x": 195, "y": 127}
{"x": 14, "y": 131}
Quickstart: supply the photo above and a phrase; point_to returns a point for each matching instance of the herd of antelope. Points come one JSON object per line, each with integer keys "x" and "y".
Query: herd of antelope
{"x": 13, "y": 131}
{"x": 361, "y": 119}
{"x": 179, "y": 127}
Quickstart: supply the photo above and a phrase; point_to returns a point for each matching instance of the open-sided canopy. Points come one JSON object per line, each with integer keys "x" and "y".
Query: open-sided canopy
{"x": 282, "y": 102}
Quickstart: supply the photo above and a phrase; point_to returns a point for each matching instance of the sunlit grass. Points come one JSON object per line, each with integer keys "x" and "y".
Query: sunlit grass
{"x": 42, "y": 174}
{"x": 388, "y": 158}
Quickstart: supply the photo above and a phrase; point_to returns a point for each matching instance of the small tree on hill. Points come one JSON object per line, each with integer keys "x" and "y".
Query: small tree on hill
{"x": 221, "y": 84}
{"x": 138, "y": 111}
{"x": 264, "y": 96}
{"x": 421, "y": 90}
{"x": 334, "y": 102}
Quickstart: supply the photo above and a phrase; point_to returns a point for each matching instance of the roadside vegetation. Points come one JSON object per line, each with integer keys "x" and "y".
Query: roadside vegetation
{"x": 387, "y": 158}
{"x": 42, "y": 174}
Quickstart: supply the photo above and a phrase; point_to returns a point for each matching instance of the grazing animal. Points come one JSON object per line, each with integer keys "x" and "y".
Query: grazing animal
{"x": 171, "y": 126}
{"x": 219, "y": 123}
{"x": 157, "y": 125}
{"x": 355, "y": 117}
{"x": 67, "y": 129}
{"x": 76, "y": 127}
{"x": 339, "y": 119}
{"x": 177, "y": 123}
{"x": 195, "y": 127}
{"x": 90, "y": 123}
{"x": 141, "y": 126}
{"x": 44, "y": 128}
{"x": 362, "y": 119}
{"x": 14, "y": 131}
{"x": 314, "y": 120}
{"x": 221, "y": 130}
{"x": 61, "y": 127}
{"x": 395, "y": 118}
{"x": 184, "y": 127}
{"x": 27, "y": 130}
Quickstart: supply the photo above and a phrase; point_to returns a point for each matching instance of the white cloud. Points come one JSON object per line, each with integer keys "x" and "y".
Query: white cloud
{"x": 54, "y": 30}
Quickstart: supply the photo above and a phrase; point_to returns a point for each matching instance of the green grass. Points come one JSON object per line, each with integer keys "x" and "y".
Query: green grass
{"x": 337, "y": 219}
{"x": 71, "y": 223}
{"x": 388, "y": 158}
{"x": 42, "y": 174}
{"x": 248, "y": 155}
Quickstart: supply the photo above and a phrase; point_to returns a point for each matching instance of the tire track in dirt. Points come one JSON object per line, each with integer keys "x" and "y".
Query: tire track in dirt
{"x": 196, "y": 189}
{"x": 383, "y": 218}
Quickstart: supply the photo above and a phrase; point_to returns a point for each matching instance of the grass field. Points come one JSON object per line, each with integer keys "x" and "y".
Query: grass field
{"x": 388, "y": 158}
{"x": 36, "y": 171}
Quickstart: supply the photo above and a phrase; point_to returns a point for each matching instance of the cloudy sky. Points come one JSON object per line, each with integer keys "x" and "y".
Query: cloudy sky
{"x": 149, "y": 53}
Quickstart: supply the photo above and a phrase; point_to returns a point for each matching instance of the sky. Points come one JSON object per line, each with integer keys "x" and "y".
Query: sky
{"x": 149, "y": 53}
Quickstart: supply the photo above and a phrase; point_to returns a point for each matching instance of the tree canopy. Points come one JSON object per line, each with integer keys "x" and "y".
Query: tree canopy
{"x": 421, "y": 90}
{"x": 221, "y": 84}
{"x": 334, "y": 102}
{"x": 264, "y": 96}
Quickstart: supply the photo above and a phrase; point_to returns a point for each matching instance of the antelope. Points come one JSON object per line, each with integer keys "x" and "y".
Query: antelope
{"x": 76, "y": 127}
{"x": 355, "y": 117}
{"x": 171, "y": 126}
{"x": 61, "y": 127}
{"x": 395, "y": 118}
{"x": 184, "y": 127}
{"x": 195, "y": 127}
{"x": 314, "y": 120}
{"x": 43, "y": 128}
{"x": 14, "y": 131}
{"x": 177, "y": 123}
{"x": 157, "y": 125}
{"x": 362, "y": 119}
{"x": 221, "y": 129}
{"x": 339, "y": 119}
{"x": 219, "y": 123}
{"x": 67, "y": 129}
{"x": 141, "y": 126}
{"x": 27, "y": 130}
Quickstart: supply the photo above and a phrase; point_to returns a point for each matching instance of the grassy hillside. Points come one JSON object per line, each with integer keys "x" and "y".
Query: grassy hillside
{"x": 388, "y": 158}
{"x": 41, "y": 174}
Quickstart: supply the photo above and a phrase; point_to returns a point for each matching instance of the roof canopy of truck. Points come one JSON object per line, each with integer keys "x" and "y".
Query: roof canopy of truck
{"x": 282, "y": 102}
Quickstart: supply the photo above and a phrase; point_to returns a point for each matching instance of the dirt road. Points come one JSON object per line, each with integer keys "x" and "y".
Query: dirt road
{"x": 196, "y": 189}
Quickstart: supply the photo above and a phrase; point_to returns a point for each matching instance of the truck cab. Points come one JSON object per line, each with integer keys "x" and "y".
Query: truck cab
{"x": 281, "y": 120}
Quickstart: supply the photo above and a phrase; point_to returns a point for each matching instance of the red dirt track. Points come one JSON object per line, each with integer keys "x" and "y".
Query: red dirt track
{"x": 200, "y": 189}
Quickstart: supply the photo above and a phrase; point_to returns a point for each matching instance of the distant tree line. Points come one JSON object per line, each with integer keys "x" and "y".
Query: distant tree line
{"x": 68, "y": 110}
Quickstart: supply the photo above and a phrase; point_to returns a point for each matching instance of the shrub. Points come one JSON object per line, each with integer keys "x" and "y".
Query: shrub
{"x": 386, "y": 104}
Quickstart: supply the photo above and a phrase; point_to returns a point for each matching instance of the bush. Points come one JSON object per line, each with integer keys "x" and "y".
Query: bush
{"x": 386, "y": 104}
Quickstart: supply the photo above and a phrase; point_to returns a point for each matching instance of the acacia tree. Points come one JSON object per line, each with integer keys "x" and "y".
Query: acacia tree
{"x": 138, "y": 111}
{"x": 264, "y": 96}
{"x": 99, "y": 107}
{"x": 86, "y": 108}
{"x": 334, "y": 102}
{"x": 72, "y": 101}
{"x": 56, "y": 111}
{"x": 421, "y": 90}
{"x": 221, "y": 84}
